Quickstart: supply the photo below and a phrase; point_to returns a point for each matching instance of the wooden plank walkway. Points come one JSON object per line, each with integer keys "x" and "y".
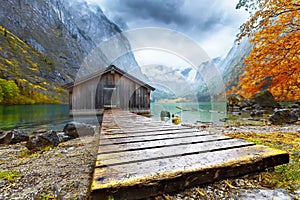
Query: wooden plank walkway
{"x": 139, "y": 157}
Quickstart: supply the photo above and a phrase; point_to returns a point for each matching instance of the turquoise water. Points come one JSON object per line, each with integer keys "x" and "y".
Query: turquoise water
{"x": 33, "y": 117}
{"x": 191, "y": 112}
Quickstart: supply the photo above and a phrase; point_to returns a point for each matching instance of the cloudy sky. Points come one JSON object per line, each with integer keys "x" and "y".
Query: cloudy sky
{"x": 213, "y": 24}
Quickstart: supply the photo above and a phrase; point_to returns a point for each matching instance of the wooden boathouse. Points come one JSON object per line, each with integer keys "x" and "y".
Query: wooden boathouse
{"x": 108, "y": 88}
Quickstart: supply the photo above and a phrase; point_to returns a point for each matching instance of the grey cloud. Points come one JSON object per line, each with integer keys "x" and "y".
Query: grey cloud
{"x": 167, "y": 11}
{"x": 179, "y": 14}
{"x": 197, "y": 19}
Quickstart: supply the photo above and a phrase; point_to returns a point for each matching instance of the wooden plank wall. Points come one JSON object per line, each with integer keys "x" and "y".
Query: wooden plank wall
{"x": 95, "y": 93}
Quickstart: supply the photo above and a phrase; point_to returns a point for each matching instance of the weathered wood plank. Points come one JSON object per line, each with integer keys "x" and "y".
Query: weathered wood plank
{"x": 147, "y": 132}
{"x": 136, "y": 127}
{"x": 144, "y": 179}
{"x": 133, "y": 126}
{"x": 121, "y": 140}
{"x": 159, "y": 143}
{"x": 144, "y": 129}
{"x": 167, "y": 152}
{"x": 110, "y": 135}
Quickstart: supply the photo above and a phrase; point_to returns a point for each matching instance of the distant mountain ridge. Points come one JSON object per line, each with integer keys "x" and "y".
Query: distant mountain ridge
{"x": 182, "y": 82}
{"x": 230, "y": 68}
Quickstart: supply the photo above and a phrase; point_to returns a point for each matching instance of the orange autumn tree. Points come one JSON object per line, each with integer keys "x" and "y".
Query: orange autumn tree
{"x": 274, "y": 62}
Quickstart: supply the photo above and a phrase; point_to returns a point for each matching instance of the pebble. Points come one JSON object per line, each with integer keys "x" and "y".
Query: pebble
{"x": 62, "y": 151}
{"x": 265, "y": 194}
{"x": 2, "y": 183}
{"x": 71, "y": 149}
{"x": 297, "y": 193}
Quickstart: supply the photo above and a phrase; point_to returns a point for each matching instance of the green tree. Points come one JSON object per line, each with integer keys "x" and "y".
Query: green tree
{"x": 2, "y": 84}
{"x": 1, "y": 94}
{"x": 10, "y": 91}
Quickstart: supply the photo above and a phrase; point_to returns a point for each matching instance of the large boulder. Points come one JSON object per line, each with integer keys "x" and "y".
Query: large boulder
{"x": 42, "y": 140}
{"x": 296, "y": 112}
{"x": 76, "y": 129}
{"x": 165, "y": 115}
{"x": 295, "y": 105}
{"x": 63, "y": 137}
{"x": 18, "y": 136}
{"x": 235, "y": 100}
{"x": 284, "y": 116}
{"x": 5, "y": 137}
{"x": 13, "y": 136}
{"x": 257, "y": 113}
{"x": 265, "y": 99}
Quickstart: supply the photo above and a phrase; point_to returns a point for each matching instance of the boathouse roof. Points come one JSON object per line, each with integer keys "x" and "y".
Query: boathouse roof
{"x": 111, "y": 68}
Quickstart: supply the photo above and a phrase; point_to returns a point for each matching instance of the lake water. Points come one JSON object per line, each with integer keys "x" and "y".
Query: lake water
{"x": 33, "y": 117}
{"x": 191, "y": 112}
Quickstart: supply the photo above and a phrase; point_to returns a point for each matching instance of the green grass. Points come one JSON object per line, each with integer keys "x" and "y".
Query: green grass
{"x": 25, "y": 152}
{"x": 285, "y": 176}
{"x": 9, "y": 175}
{"x": 44, "y": 196}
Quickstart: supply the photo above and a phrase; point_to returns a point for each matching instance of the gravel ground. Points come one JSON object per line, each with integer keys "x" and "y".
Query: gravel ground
{"x": 235, "y": 129}
{"x": 65, "y": 172}
{"x": 244, "y": 188}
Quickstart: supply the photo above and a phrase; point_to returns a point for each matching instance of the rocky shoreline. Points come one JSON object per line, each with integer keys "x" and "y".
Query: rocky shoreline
{"x": 43, "y": 138}
{"x": 65, "y": 172}
{"x": 264, "y": 107}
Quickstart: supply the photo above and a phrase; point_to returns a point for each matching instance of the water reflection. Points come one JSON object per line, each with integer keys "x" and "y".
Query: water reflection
{"x": 34, "y": 116}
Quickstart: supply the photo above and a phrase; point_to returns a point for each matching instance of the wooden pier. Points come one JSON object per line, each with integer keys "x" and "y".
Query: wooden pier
{"x": 139, "y": 157}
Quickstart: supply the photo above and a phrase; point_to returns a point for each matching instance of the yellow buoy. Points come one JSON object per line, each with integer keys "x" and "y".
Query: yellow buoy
{"x": 176, "y": 120}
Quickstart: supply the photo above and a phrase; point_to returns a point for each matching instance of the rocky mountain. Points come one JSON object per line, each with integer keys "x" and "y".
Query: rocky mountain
{"x": 188, "y": 75}
{"x": 97, "y": 29}
{"x": 65, "y": 32}
{"x": 233, "y": 64}
{"x": 182, "y": 82}
{"x": 24, "y": 65}
{"x": 230, "y": 68}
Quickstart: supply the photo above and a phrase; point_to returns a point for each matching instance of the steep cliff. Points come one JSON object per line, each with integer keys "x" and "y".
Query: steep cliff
{"x": 65, "y": 31}
{"x": 22, "y": 64}
{"x": 233, "y": 64}
{"x": 47, "y": 41}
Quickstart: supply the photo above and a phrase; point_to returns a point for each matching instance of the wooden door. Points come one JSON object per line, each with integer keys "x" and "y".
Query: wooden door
{"x": 109, "y": 99}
